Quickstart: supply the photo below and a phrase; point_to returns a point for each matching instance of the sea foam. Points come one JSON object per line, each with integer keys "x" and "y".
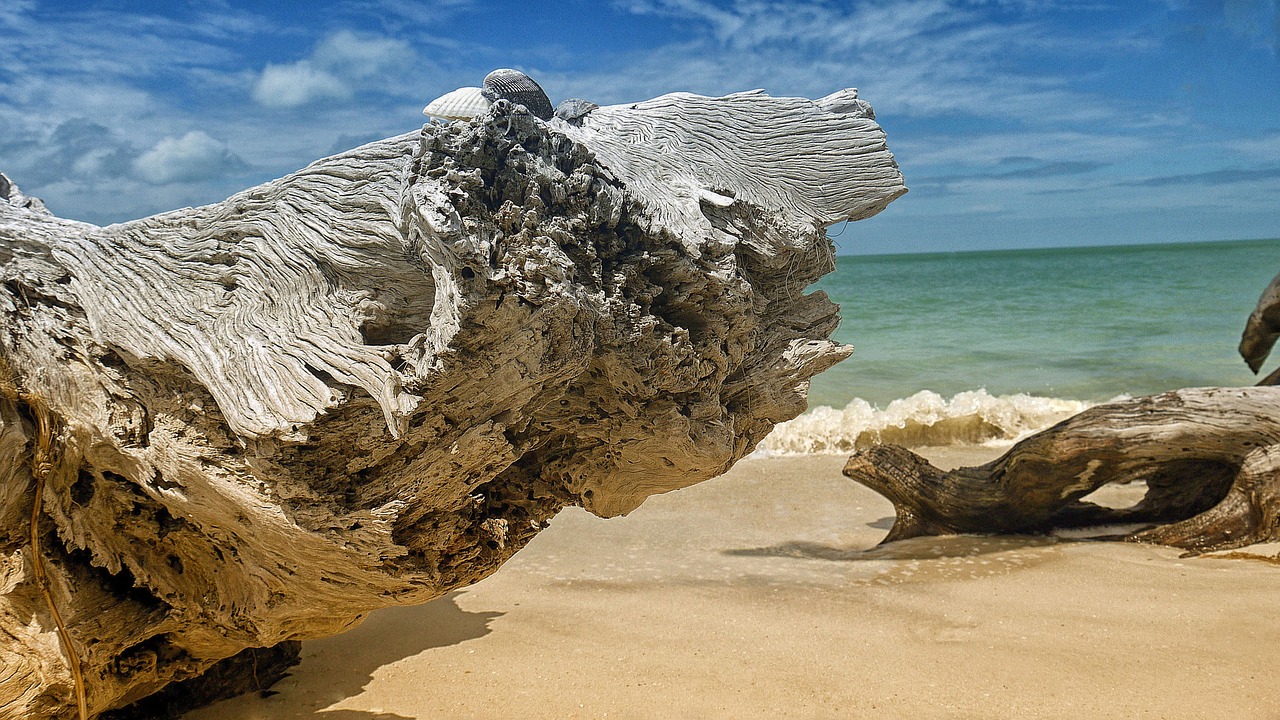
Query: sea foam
{"x": 926, "y": 418}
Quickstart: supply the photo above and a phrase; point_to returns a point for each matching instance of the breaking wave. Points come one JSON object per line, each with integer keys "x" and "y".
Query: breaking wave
{"x": 926, "y": 418}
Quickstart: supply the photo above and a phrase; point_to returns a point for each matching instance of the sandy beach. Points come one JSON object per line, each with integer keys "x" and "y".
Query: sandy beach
{"x": 760, "y": 595}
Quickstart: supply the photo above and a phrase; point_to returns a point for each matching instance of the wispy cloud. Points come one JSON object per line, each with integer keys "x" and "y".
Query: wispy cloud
{"x": 988, "y": 147}
{"x": 1017, "y": 168}
{"x": 341, "y": 64}
{"x": 938, "y": 60}
{"x": 1265, "y": 147}
{"x": 402, "y": 13}
{"x": 1255, "y": 20}
{"x": 1228, "y": 176}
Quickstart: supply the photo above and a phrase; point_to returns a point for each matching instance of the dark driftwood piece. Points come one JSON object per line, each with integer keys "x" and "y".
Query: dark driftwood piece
{"x": 1261, "y": 332}
{"x": 1210, "y": 458}
{"x": 372, "y": 381}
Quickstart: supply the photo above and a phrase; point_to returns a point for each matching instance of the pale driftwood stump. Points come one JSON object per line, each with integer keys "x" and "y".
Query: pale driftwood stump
{"x": 1210, "y": 458}
{"x": 374, "y": 380}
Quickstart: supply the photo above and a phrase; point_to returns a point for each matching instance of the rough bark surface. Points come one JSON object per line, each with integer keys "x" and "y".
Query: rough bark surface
{"x": 374, "y": 380}
{"x": 1210, "y": 458}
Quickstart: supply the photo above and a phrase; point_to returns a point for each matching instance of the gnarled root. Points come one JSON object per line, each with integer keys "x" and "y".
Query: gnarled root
{"x": 1209, "y": 457}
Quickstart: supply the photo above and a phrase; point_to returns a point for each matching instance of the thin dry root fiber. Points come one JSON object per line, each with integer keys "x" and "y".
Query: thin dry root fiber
{"x": 43, "y": 461}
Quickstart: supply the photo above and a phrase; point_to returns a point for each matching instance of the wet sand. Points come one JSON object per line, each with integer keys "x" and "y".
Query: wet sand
{"x": 759, "y": 595}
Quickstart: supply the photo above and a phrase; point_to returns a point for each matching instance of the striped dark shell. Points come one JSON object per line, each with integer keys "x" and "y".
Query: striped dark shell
{"x": 520, "y": 89}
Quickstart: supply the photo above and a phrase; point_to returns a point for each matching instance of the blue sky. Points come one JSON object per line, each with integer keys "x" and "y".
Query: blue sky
{"x": 1017, "y": 123}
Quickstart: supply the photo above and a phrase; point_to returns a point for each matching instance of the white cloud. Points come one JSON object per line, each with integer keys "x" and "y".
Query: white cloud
{"x": 194, "y": 156}
{"x": 338, "y": 65}
{"x": 297, "y": 84}
{"x": 354, "y": 56}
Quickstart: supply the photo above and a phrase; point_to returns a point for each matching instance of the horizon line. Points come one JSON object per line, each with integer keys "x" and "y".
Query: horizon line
{"x": 1050, "y": 248}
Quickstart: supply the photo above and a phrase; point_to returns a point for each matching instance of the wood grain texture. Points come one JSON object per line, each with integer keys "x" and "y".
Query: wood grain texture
{"x": 375, "y": 379}
{"x": 833, "y": 166}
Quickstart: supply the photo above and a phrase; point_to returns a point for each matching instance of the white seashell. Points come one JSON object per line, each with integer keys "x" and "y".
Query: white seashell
{"x": 461, "y": 104}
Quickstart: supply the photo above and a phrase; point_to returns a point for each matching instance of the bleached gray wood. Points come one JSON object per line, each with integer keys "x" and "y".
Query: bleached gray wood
{"x": 712, "y": 150}
{"x": 374, "y": 380}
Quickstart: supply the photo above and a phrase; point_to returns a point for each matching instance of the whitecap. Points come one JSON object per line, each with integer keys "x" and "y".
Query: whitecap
{"x": 925, "y": 419}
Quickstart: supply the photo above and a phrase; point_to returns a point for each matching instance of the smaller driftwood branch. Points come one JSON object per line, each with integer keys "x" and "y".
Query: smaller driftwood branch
{"x": 1261, "y": 332}
{"x": 1210, "y": 458}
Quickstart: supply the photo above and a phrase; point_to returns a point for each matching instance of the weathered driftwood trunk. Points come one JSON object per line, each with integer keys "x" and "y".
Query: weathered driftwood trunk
{"x": 375, "y": 379}
{"x": 1210, "y": 458}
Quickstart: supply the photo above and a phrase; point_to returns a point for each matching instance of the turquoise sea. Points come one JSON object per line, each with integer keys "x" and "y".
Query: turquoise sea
{"x": 988, "y": 346}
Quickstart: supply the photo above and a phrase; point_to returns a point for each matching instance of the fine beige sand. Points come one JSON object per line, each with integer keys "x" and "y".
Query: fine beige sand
{"x": 757, "y": 595}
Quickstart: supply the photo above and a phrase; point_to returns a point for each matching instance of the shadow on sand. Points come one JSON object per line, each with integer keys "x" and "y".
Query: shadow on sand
{"x": 884, "y": 523}
{"x": 334, "y": 670}
{"x": 921, "y": 548}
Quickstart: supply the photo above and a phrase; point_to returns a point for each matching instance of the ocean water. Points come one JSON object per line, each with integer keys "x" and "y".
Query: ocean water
{"x": 986, "y": 347}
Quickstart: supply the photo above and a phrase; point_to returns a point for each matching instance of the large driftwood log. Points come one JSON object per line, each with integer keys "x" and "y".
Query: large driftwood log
{"x": 375, "y": 379}
{"x": 1210, "y": 458}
